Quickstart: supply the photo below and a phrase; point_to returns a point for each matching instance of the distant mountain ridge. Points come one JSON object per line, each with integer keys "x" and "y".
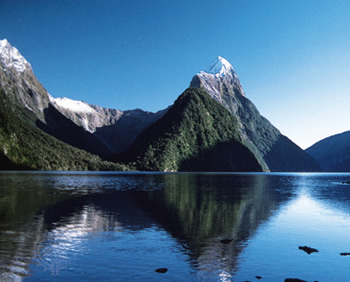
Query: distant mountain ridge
{"x": 105, "y": 123}
{"x": 248, "y": 142}
{"x": 332, "y": 153}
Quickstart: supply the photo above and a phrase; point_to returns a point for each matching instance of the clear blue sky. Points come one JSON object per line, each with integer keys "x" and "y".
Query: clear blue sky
{"x": 292, "y": 56}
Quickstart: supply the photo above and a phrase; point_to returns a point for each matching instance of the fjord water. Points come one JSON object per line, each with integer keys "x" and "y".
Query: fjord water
{"x": 124, "y": 226}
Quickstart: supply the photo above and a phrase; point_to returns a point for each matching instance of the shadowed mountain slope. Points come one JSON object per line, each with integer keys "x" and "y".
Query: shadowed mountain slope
{"x": 196, "y": 134}
{"x": 333, "y": 153}
{"x": 24, "y": 146}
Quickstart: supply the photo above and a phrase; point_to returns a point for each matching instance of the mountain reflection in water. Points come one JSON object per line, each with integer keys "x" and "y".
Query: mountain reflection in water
{"x": 115, "y": 226}
{"x": 202, "y": 210}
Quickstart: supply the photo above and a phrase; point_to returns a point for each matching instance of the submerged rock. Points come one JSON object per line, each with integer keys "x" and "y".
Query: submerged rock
{"x": 308, "y": 250}
{"x": 258, "y": 277}
{"x": 161, "y": 270}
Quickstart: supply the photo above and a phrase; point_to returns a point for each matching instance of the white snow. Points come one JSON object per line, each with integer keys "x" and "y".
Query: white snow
{"x": 3, "y": 43}
{"x": 11, "y": 57}
{"x": 220, "y": 66}
{"x": 219, "y": 76}
{"x": 73, "y": 105}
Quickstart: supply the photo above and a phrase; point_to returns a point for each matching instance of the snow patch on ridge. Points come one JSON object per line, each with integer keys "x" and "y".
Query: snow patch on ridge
{"x": 73, "y": 105}
{"x": 11, "y": 57}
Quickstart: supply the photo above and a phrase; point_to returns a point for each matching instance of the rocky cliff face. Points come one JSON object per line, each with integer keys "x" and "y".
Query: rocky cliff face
{"x": 116, "y": 129}
{"x": 275, "y": 151}
{"x": 18, "y": 81}
{"x": 89, "y": 127}
{"x": 87, "y": 116}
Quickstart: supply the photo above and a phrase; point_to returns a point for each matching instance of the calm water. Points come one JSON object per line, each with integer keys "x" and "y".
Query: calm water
{"x": 122, "y": 226}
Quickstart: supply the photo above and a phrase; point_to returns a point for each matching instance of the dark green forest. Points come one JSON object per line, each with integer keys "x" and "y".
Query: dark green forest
{"x": 196, "y": 134}
{"x": 24, "y": 146}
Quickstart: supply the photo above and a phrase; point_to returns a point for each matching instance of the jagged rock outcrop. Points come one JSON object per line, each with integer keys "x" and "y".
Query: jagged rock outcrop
{"x": 18, "y": 81}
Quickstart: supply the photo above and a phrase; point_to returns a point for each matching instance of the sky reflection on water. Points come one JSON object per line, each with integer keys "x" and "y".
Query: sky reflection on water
{"x": 124, "y": 226}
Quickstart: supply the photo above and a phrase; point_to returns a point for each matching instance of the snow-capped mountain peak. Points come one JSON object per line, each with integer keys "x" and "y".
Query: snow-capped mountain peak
{"x": 11, "y": 57}
{"x": 220, "y": 78}
{"x": 3, "y": 43}
{"x": 220, "y": 66}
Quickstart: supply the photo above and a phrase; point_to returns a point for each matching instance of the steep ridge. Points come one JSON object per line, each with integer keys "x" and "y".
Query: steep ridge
{"x": 196, "y": 134}
{"x": 95, "y": 129}
{"x": 274, "y": 150}
{"x": 332, "y": 153}
{"x": 18, "y": 82}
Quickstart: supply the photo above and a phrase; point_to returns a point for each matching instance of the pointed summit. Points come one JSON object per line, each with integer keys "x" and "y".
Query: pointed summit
{"x": 18, "y": 81}
{"x": 274, "y": 151}
{"x": 3, "y": 43}
{"x": 10, "y": 57}
{"x": 219, "y": 79}
{"x": 220, "y": 66}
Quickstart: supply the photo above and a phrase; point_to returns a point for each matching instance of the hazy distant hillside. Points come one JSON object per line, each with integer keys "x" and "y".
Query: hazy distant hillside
{"x": 333, "y": 153}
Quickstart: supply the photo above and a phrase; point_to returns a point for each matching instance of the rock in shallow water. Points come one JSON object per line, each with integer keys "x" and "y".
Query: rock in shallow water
{"x": 161, "y": 270}
{"x": 308, "y": 250}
